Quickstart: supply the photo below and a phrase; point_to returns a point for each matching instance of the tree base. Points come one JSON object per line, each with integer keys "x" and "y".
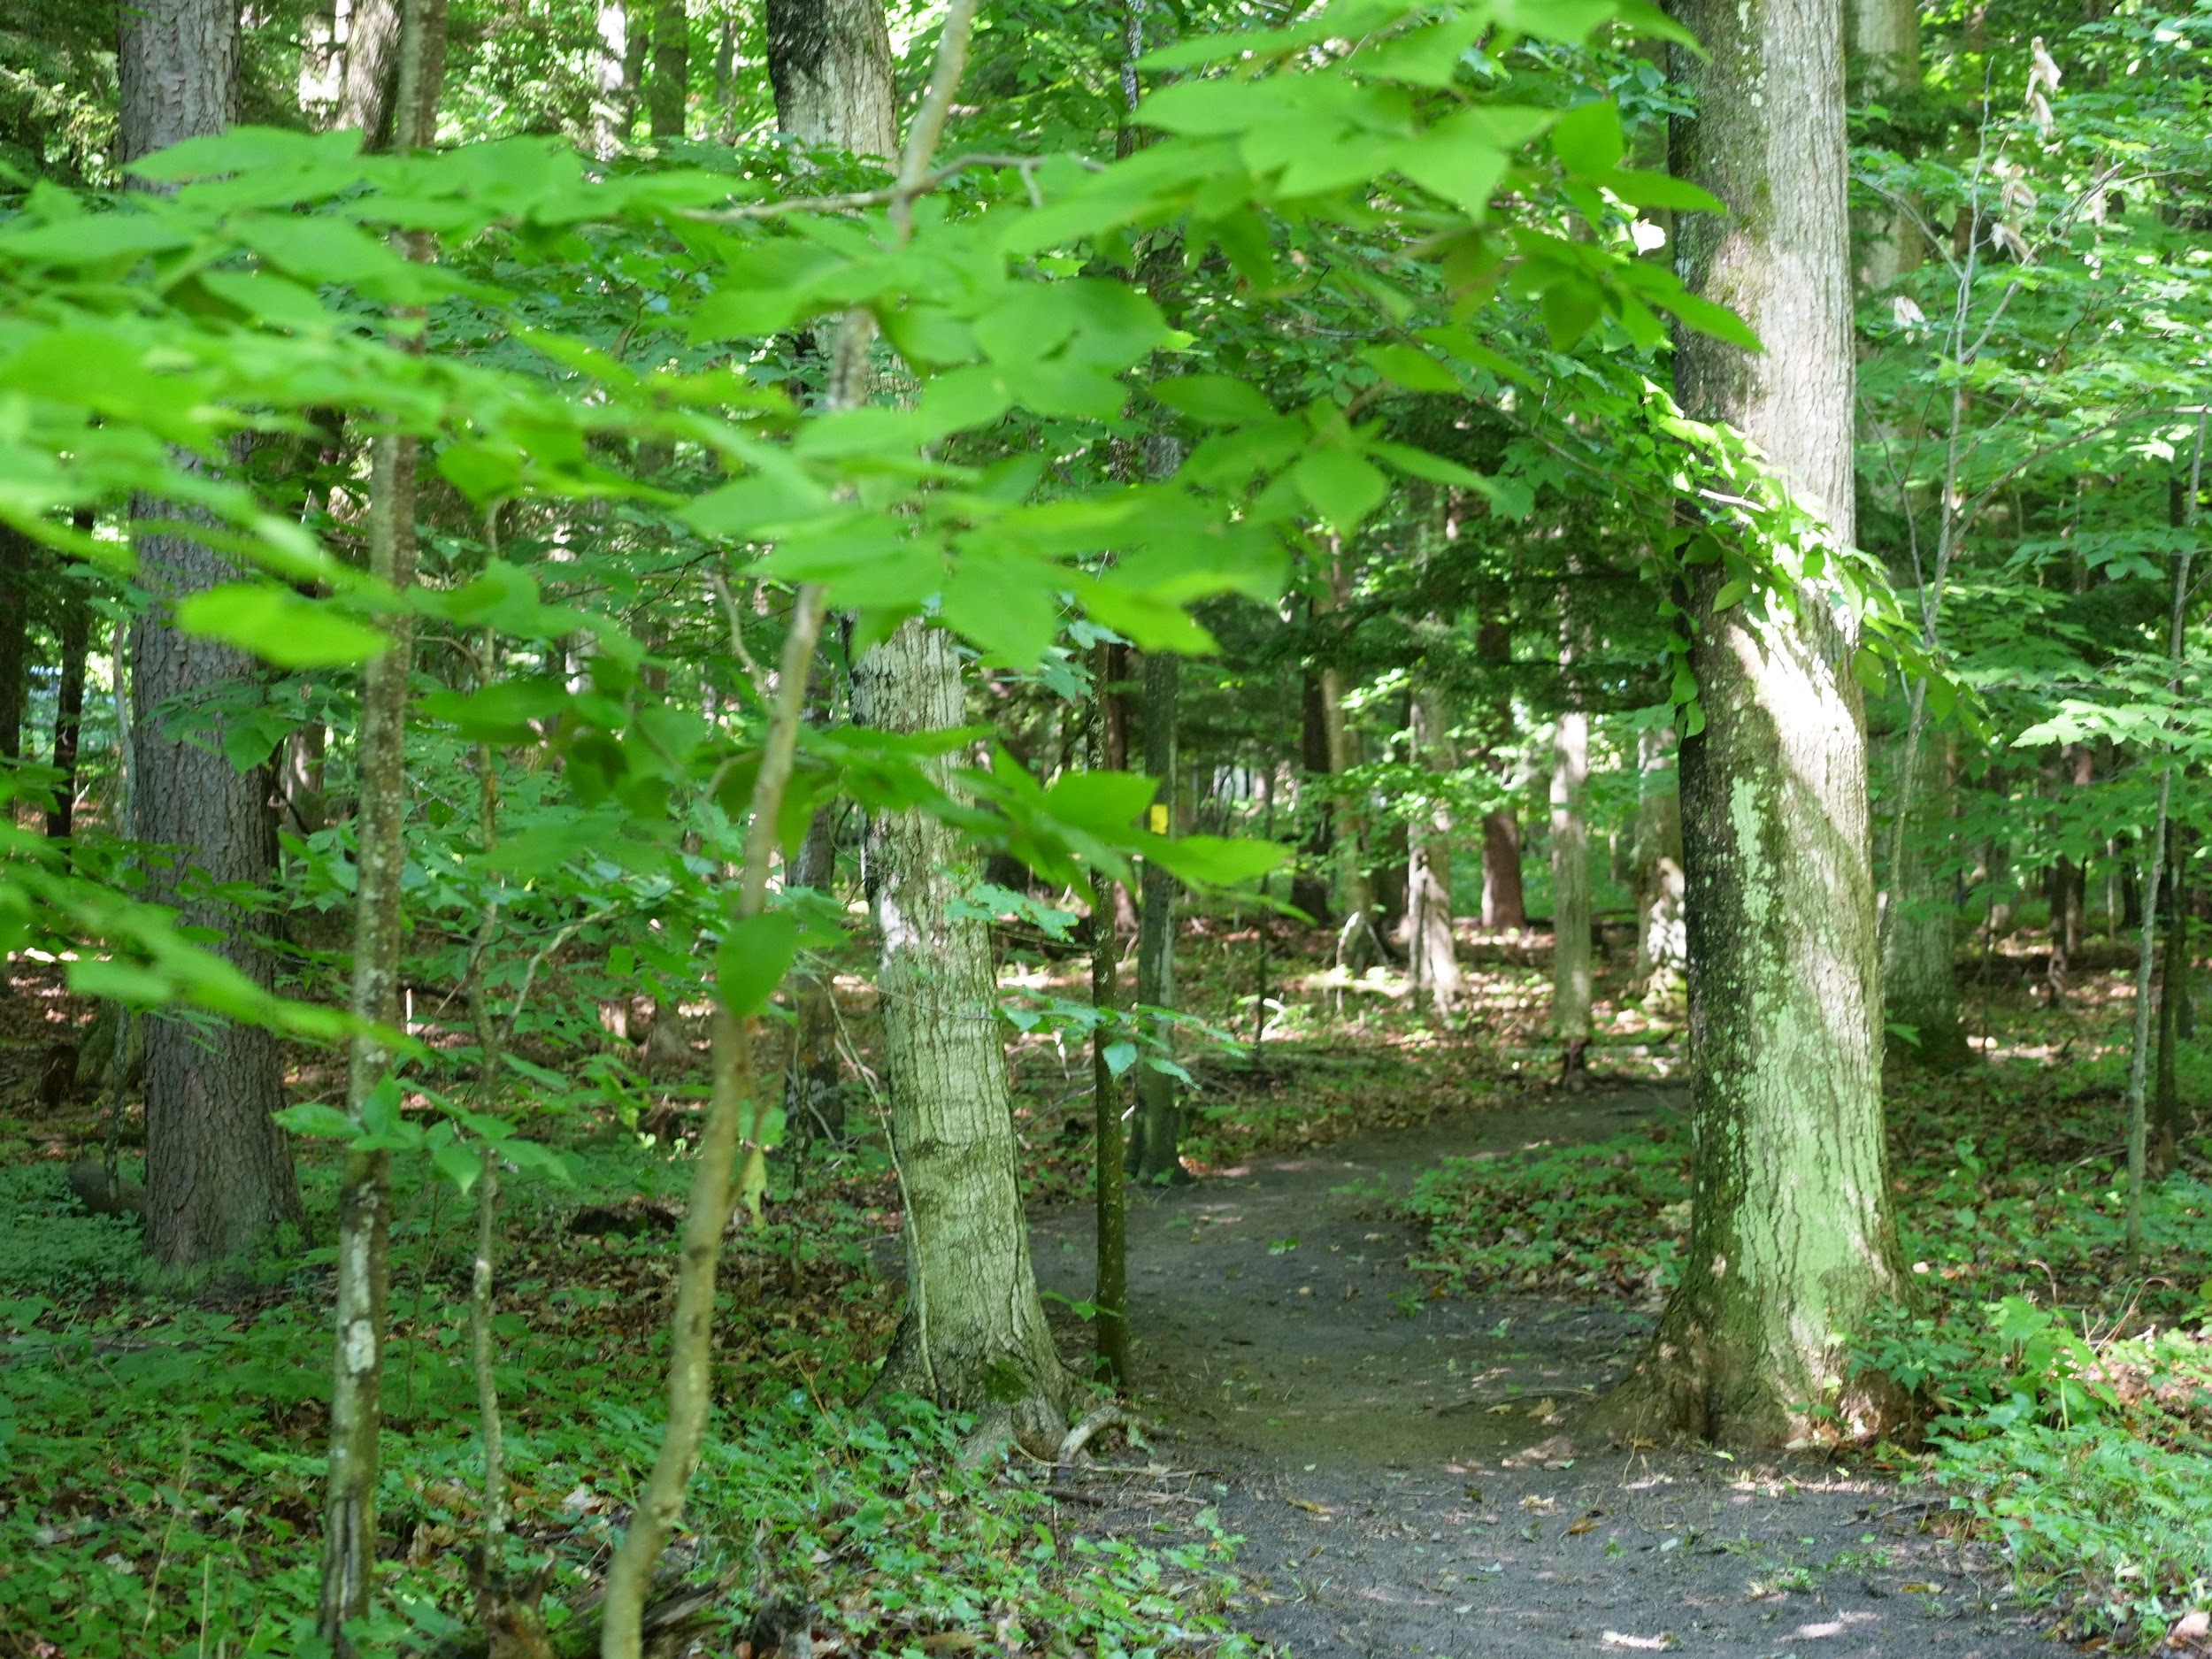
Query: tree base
{"x": 1019, "y": 1392}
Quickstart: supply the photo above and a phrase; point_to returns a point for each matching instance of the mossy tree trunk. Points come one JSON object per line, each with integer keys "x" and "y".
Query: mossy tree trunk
{"x": 974, "y": 1335}
{"x": 1792, "y": 1245}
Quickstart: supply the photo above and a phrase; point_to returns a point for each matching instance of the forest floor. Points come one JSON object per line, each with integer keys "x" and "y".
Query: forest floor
{"x": 1407, "y": 1471}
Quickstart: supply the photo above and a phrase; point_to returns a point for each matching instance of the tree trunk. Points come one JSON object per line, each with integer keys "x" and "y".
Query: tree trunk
{"x": 73, "y": 624}
{"x": 1503, "y": 909}
{"x": 1309, "y": 881}
{"x": 1154, "y": 1155}
{"x": 830, "y": 63}
{"x": 813, "y": 1104}
{"x": 1919, "y": 973}
{"x": 16, "y": 550}
{"x": 973, "y": 1337}
{"x": 1110, "y": 1137}
{"x": 1884, "y": 53}
{"x": 2168, "y": 1120}
{"x": 219, "y": 1171}
{"x": 668, "y": 89}
{"x": 372, "y": 73}
{"x": 1571, "y": 954}
{"x": 1431, "y": 949}
{"x": 1792, "y": 1245}
{"x": 613, "y": 86}
{"x": 1662, "y": 944}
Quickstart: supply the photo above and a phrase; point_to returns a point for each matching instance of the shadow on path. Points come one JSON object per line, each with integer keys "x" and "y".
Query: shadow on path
{"x": 1405, "y": 1469}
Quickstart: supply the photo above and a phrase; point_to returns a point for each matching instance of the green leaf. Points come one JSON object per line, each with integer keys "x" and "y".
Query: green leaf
{"x": 125, "y": 982}
{"x": 1587, "y": 139}
{"x": 458, "y": 1164}
{"x": 1215, "y": 400}
{"x": 1416, "y": 371}
{"x": 312, "y": 1117}
{"x": 1342, "y": 487}
{"x": 1119, "y": 1056}
{"x": 752, "y": 960}
{"x": 1218, "y": 861}
{"x": 1454, "y": 159}
{"x": 280, "y": 626}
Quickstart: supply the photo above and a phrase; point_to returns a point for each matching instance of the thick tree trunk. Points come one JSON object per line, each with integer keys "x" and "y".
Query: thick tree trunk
{"x": 1571, "y": 954}
{"x": 830, "y": 63}
{"x": 1792, "y": 1246}
{"x": 668, "y": 89}
{"x": 974, "y": 1335}
{"x": 1154, "y": 1155}
{"x": 372, "y": 73}
{"x": 219, "y": 1171}
{"x": 1662, "y": 944}
{"x": 1430, "y": 946}
{"x": 73, "y": 626}
{"x": 1919, "y": 972}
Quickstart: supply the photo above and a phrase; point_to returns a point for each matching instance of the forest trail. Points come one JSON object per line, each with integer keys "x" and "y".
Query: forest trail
{"x": 1406, "y": 1473}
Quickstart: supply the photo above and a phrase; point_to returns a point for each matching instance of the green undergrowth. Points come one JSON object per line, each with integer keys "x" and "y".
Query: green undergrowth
{"x": 165, "y": 1457}
{"x": 2066, "y": 1386}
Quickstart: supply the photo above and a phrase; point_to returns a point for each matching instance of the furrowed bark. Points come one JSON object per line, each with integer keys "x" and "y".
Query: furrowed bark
{"x": 1111, "y": 1296}
{"x": 668, "y": 89}
{"x": 219, "y": 1171}
{"x": 380, "y": 861}
{"x": 1792, "y": 1245}
{"x": 829, "y": 62}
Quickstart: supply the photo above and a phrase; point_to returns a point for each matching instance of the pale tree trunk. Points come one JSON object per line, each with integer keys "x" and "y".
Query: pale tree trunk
{"x": 1662, "y": 944}
{"x": 1919, "y": 974}
{"x": 1153, "y": 1152}
{"x": 830, "y": 63}
{"x": 612, "y": 84}
{"x": 1792, "y": 1246}
{"x": 1884, "y": 50}
{"x": 668, "y": 89}
{"x": 1571, "y": 953}
{"x": 1431, "y": 949}
{"x": 219, "y": 1171}
{"x": 1504, "y": 910}
{"x": 973, "y": 1337}
{"x": 372, "y": 71}
{"x": 364, "y": 1194}
{"x": 1358, "y": 946}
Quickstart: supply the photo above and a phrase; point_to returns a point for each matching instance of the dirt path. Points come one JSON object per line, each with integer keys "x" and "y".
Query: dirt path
{"x": 1406, "y": 1472}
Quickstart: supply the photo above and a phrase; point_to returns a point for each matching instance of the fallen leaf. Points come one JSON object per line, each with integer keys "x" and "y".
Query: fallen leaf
{"x": 1918, "y": 1588}
{"x": 1656, "y": 1644}
{"x": 1301, "y": 1503}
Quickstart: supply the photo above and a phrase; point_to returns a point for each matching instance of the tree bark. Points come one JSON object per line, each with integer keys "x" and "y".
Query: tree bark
{"x": 1662, "y": 944}
{"x": 1919, "y": 947}
{"x": 1792, "y": 1244}
{"x": 668, "y": 89}
{"x": 2168, "y": 1120}
{"x": 73, "y": 624}
{"x": 1884, "y": 53}
{"x": 1309, "y": 881}
{"x": 1431, "y": 949}
{"x": 219, "y": 1171}
{"x": 1110, "y": 1148}
{"x": 973, "y": 1337}
{"x": 372, "y": 73}
{"x": 1503, "y": 909}
{"x": 813, "y": 1104}
{"x": 830, "y": 63}
{"x": 612, "y": 85}
{"x": 1571, "y": 953}
{"x": 1154, "y": 1154}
